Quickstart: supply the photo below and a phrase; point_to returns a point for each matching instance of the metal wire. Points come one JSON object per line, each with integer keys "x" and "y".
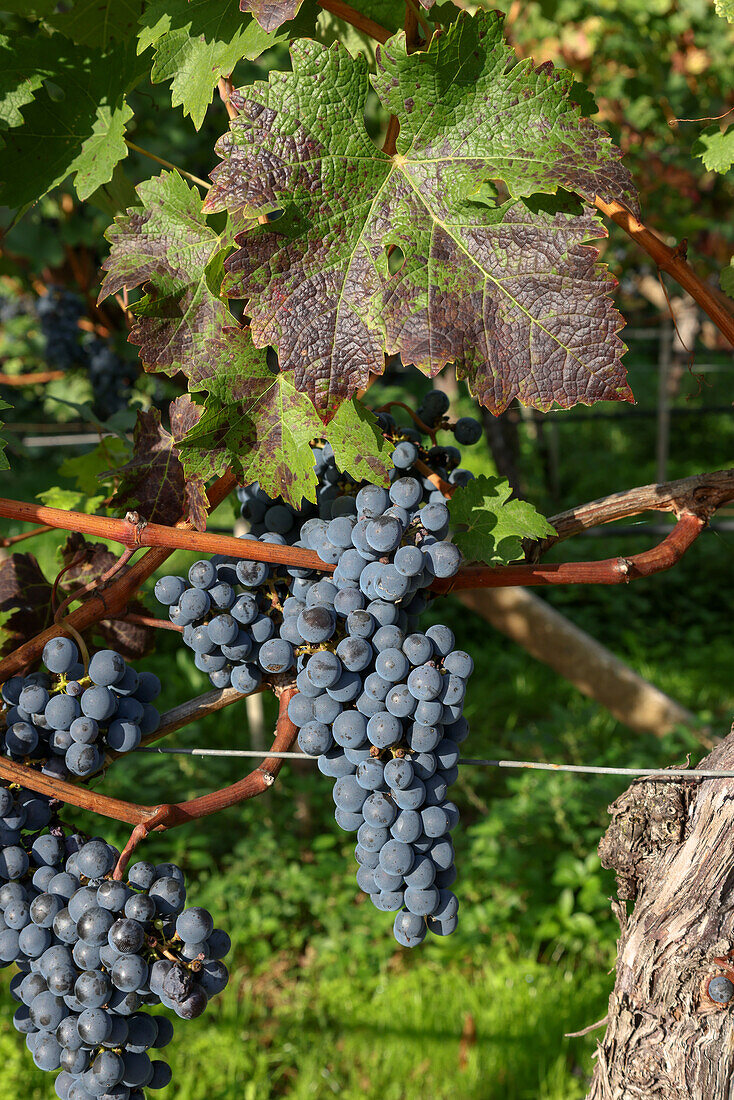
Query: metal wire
{"x": 587, "y": 769}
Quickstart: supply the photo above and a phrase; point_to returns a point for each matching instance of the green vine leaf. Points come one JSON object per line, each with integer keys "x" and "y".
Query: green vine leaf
{"x": 168, "y": 246}
{"x": 509, "y": 293}
{"x": 97, "y": 22}
{"x": 726, "y": 280}
{"x": 266, "y": 434}
{"x": 18, "y": 81}
{"x": 198, "y": 41}
{"x": 74, "y": 124}
{"x": 4, "y": 464}
{"x": 489, "y": 527}
{"x": 716, "y": 149}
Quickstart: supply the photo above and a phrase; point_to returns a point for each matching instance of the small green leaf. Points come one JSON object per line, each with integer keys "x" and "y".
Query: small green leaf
{"x": 198, "y": 41}
{"x": 726, "y": 279}
{"x": 716, "y": 149}
{"x": 489, "y": 527}
{"x": 19, "y": 80}
{"x": 725, "y": 8}
{"x": 360, "y": 448}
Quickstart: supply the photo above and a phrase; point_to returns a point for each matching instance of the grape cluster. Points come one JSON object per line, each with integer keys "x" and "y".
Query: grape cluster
{"x": 59, "y": 313}
{"x": 379, "y": 703}
{"x": 109, "y": 376}
{"x": 225, "y": 609}
{"x": 65, "y": 719}
{"x": 93, "y": 951}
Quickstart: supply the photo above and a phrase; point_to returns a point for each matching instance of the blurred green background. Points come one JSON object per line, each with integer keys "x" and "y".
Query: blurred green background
{"x": 322, "y": 1002}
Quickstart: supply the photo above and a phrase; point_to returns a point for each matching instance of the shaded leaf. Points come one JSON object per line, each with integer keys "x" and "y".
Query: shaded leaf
{"x": 726, "y": 279}
{"x": 266, "y": 435}
{"x": 169, "y": 246}
{"x": 489, "y": 527}
{"x": 197, "y": 42}
{"x": 88, "y": 562}
{"x": 97, "y": 22}
{"x": 4, "y": 464}
{"x": 716, "y": 149}
{"x": 511, "y": 294}
{"x": 153, "y": 480}
{"x": 76, "y": 131}
{"x": 25, "y": 601}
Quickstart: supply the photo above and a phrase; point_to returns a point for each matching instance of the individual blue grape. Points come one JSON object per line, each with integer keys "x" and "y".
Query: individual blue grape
{"x": 106, "y": 668}
{"x": 60, "y": 654}
{"x": 409, "y": 929}
{"x": 468, "y": 431}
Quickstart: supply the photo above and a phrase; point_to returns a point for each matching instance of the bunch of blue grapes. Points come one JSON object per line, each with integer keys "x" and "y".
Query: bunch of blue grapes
{"x": 94, "y": 952}
{"x": 59, "y": 312}
{"x": 109, "y": 376}
{"x": 226, "y": 609}
{"x": 379, "y": 702}
{"x": 64, "y": 719}
{"x": 268, "y": 517}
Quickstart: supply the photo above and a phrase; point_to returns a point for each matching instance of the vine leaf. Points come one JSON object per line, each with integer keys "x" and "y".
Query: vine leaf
{"x": 97, "y": 22}
{"x": 271, "y": 14}
{"x": 4, "y": 464}
{"x": 26, "y": 604}
{"x": 25, "y": 601}
{"x": 169, "y": 246}
{"x": 153, "y": 480}
{"x": 716, "y": 149}
{"x": 88, "y": 562}
{"x": 198, "y": 41}
{"x": 74, "y": 124}
{"x": 489, "y": 527}
{"x": 508, "y": 292}
{"x": 726, "y": 280}
{"x": 266, "y": 434}
{"x": 18, "y": 82}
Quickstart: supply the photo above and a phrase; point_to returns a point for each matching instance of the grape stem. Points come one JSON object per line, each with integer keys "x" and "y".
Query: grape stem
{"x": 420, "y": 425}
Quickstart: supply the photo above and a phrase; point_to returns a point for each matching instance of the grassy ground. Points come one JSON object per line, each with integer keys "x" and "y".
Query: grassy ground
{"x": 322, "y": 1002}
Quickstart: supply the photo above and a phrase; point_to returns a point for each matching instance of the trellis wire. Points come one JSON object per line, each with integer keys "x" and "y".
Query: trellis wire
{"x": 588, "y": 769}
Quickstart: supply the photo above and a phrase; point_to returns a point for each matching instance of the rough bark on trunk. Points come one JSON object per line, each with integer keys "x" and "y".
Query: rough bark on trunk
{"x": 671, "y": 846}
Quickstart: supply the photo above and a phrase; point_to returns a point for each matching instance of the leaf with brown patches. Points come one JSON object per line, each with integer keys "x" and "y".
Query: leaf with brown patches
{"x": 506, "y": 289}
{"x": 153, "y": 481}
{"x": 167, "y": 246}
{"x": 266, "y": 435}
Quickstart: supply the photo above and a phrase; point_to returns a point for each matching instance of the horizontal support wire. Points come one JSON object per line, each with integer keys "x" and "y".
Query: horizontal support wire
{"x": 587, "y": 769}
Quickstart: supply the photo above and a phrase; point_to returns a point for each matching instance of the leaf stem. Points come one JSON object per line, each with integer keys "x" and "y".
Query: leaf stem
{"x": 356, "y": 19}
{"x": 167, "y": 164}
{"x": 420, "y": 18}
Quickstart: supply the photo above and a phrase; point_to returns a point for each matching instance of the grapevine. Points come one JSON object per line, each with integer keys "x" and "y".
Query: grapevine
{"x": 268, "y": 302}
